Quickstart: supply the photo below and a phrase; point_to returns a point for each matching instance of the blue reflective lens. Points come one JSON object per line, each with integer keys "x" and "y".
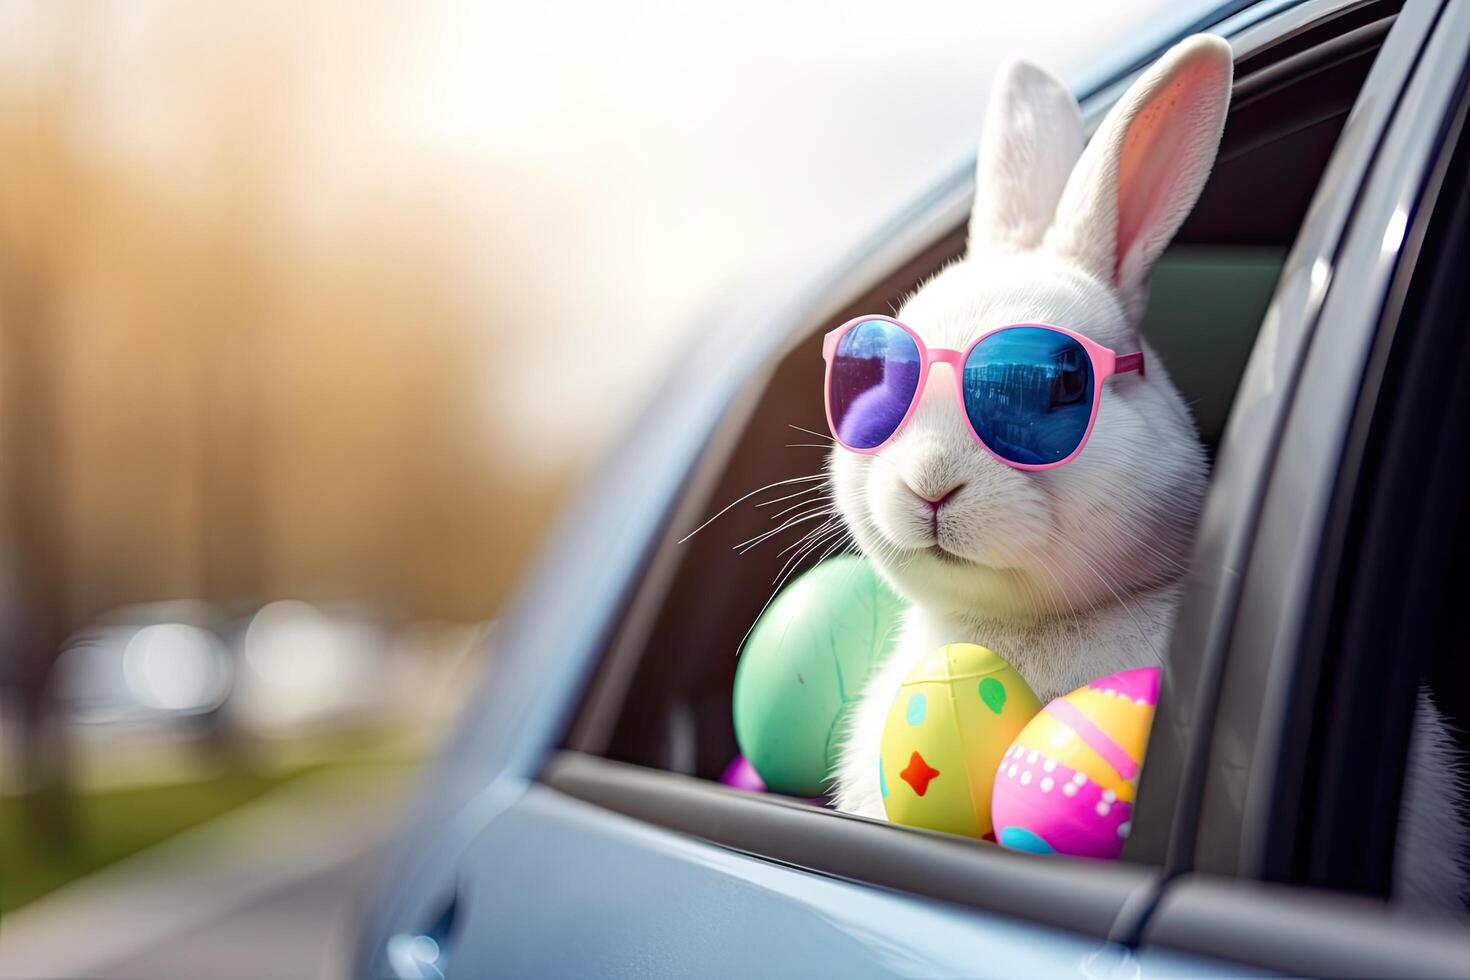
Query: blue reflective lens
{"x": 1028, "y": 392}
{"x": 875, "y": 372}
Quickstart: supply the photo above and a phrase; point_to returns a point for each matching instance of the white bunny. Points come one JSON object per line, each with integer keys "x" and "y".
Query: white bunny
{"x": 1070, "y": 573}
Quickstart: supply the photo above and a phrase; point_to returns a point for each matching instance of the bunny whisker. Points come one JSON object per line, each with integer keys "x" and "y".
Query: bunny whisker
{"x": 832, "y": 535}
{"x": 752, "y": 542}
{"x": 1059, "y": 610}
{"x": 797, "y": 558}
{"x": 1045, "y": 603}
{"x": 1127, "y": 606}
{"x": 792, "y": 496}
{"x": 831, "y": 550}
{"x": 769, "y": 486}
{"x": 819, "y": 531}
{"x": 832, "y": 525}
{"x": 1122, "y": 541}
{"x": 792, "y": 564}
{"x": 825, "y": 504}
{"x": 811, "y": 540}
{"x": 813, "y": 432}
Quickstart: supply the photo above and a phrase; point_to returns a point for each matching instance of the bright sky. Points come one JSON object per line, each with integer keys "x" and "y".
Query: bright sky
{"x": 610, "y": 167}
{"x": 646, "y": 157}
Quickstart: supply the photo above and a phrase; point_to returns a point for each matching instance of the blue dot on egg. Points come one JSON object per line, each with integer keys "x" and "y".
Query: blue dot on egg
{"x": 882, "y": 783}
{"x": 1021, "y": 839}
{"x": 918, "y": 707}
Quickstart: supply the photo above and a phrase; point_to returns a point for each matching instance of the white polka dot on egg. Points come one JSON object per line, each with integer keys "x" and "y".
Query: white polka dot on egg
{"x": 1070, "y": 789}
{"x": 1103, "y": 807}
{"x": 1047, "y": 784}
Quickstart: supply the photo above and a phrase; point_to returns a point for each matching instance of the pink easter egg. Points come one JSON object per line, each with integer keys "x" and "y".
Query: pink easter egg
{"x": 1068, "y": 782}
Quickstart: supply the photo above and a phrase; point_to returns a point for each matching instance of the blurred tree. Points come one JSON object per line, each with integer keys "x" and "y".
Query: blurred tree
{"x": 34, "y": 223}
{"x": 253, "y": 330}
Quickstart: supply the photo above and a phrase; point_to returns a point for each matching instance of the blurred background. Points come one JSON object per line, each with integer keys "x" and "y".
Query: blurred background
{"x": 311, "y": 316}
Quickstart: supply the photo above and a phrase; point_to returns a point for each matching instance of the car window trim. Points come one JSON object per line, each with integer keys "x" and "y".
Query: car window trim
{"x": 1084, "y": 897}
{"x": 1260, "y": 746}
{"x": 1187, "y": 726}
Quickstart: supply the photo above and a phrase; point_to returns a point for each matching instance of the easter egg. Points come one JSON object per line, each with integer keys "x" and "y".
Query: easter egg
{"x": 804, "y": 667}
{"x": 1068, "y": 783}
{"x": 740, "y": 774}
{"x": 955, "y": 716}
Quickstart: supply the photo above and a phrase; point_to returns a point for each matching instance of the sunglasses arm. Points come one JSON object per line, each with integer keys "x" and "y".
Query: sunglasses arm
{"x": 1128, "y": 362}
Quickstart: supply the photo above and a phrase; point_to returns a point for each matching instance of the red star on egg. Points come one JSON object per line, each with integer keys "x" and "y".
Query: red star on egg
{"x": 919, "y": 773}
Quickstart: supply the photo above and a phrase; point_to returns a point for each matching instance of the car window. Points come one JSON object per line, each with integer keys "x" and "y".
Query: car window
{"x": 663, "y": 698}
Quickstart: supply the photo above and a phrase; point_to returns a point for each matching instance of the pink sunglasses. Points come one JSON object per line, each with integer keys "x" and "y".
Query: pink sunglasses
{"x": 1029, "y": 391}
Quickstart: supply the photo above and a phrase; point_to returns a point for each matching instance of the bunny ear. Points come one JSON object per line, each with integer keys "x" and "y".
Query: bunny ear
{"x": 1031, "y": 140}
{"x": 1145, "y": 168}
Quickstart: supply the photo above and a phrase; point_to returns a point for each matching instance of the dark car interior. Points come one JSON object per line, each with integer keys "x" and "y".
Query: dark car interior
{"x": 662, "y": 698}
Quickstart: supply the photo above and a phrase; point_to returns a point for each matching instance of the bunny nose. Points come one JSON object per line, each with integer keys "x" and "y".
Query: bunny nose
{"x": 936, "y": 502}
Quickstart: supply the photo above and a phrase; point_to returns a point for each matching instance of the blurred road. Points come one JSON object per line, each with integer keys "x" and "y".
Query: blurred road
{"x": 298, "y": 930}
{"x": 266, "y": 891}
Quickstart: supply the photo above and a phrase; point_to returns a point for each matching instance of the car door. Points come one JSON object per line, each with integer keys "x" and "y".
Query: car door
{"x": 521, "y": 859}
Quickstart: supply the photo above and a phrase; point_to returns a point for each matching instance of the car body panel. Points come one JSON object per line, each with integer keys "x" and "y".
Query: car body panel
{"x": 615, "y": 896}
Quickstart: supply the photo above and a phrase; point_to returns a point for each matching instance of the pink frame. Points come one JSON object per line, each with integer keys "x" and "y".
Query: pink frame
{"x": 1105, "y": 364}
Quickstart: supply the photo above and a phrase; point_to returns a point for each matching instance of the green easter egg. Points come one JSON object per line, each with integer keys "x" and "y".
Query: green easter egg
{"x": 805, "y": 665}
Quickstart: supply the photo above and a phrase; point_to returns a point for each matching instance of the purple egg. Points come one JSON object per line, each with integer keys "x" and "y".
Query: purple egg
{"x": 740, "y": 774}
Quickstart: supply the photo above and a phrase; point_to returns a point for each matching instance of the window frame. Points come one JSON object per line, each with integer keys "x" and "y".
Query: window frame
{"x": 1112, "y": 901}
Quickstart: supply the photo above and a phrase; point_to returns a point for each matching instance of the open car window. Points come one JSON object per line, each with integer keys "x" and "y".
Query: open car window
{"x": 661, "y": 700}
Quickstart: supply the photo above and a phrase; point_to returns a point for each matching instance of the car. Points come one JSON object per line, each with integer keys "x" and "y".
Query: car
{"x": 1314, "y": 311}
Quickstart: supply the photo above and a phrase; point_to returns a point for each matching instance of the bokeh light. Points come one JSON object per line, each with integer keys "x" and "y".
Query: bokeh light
{"x": 175, "y": 667}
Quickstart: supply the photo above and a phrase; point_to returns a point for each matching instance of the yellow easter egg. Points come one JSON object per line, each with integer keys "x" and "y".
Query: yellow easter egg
{"x": 953, "y": 719}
